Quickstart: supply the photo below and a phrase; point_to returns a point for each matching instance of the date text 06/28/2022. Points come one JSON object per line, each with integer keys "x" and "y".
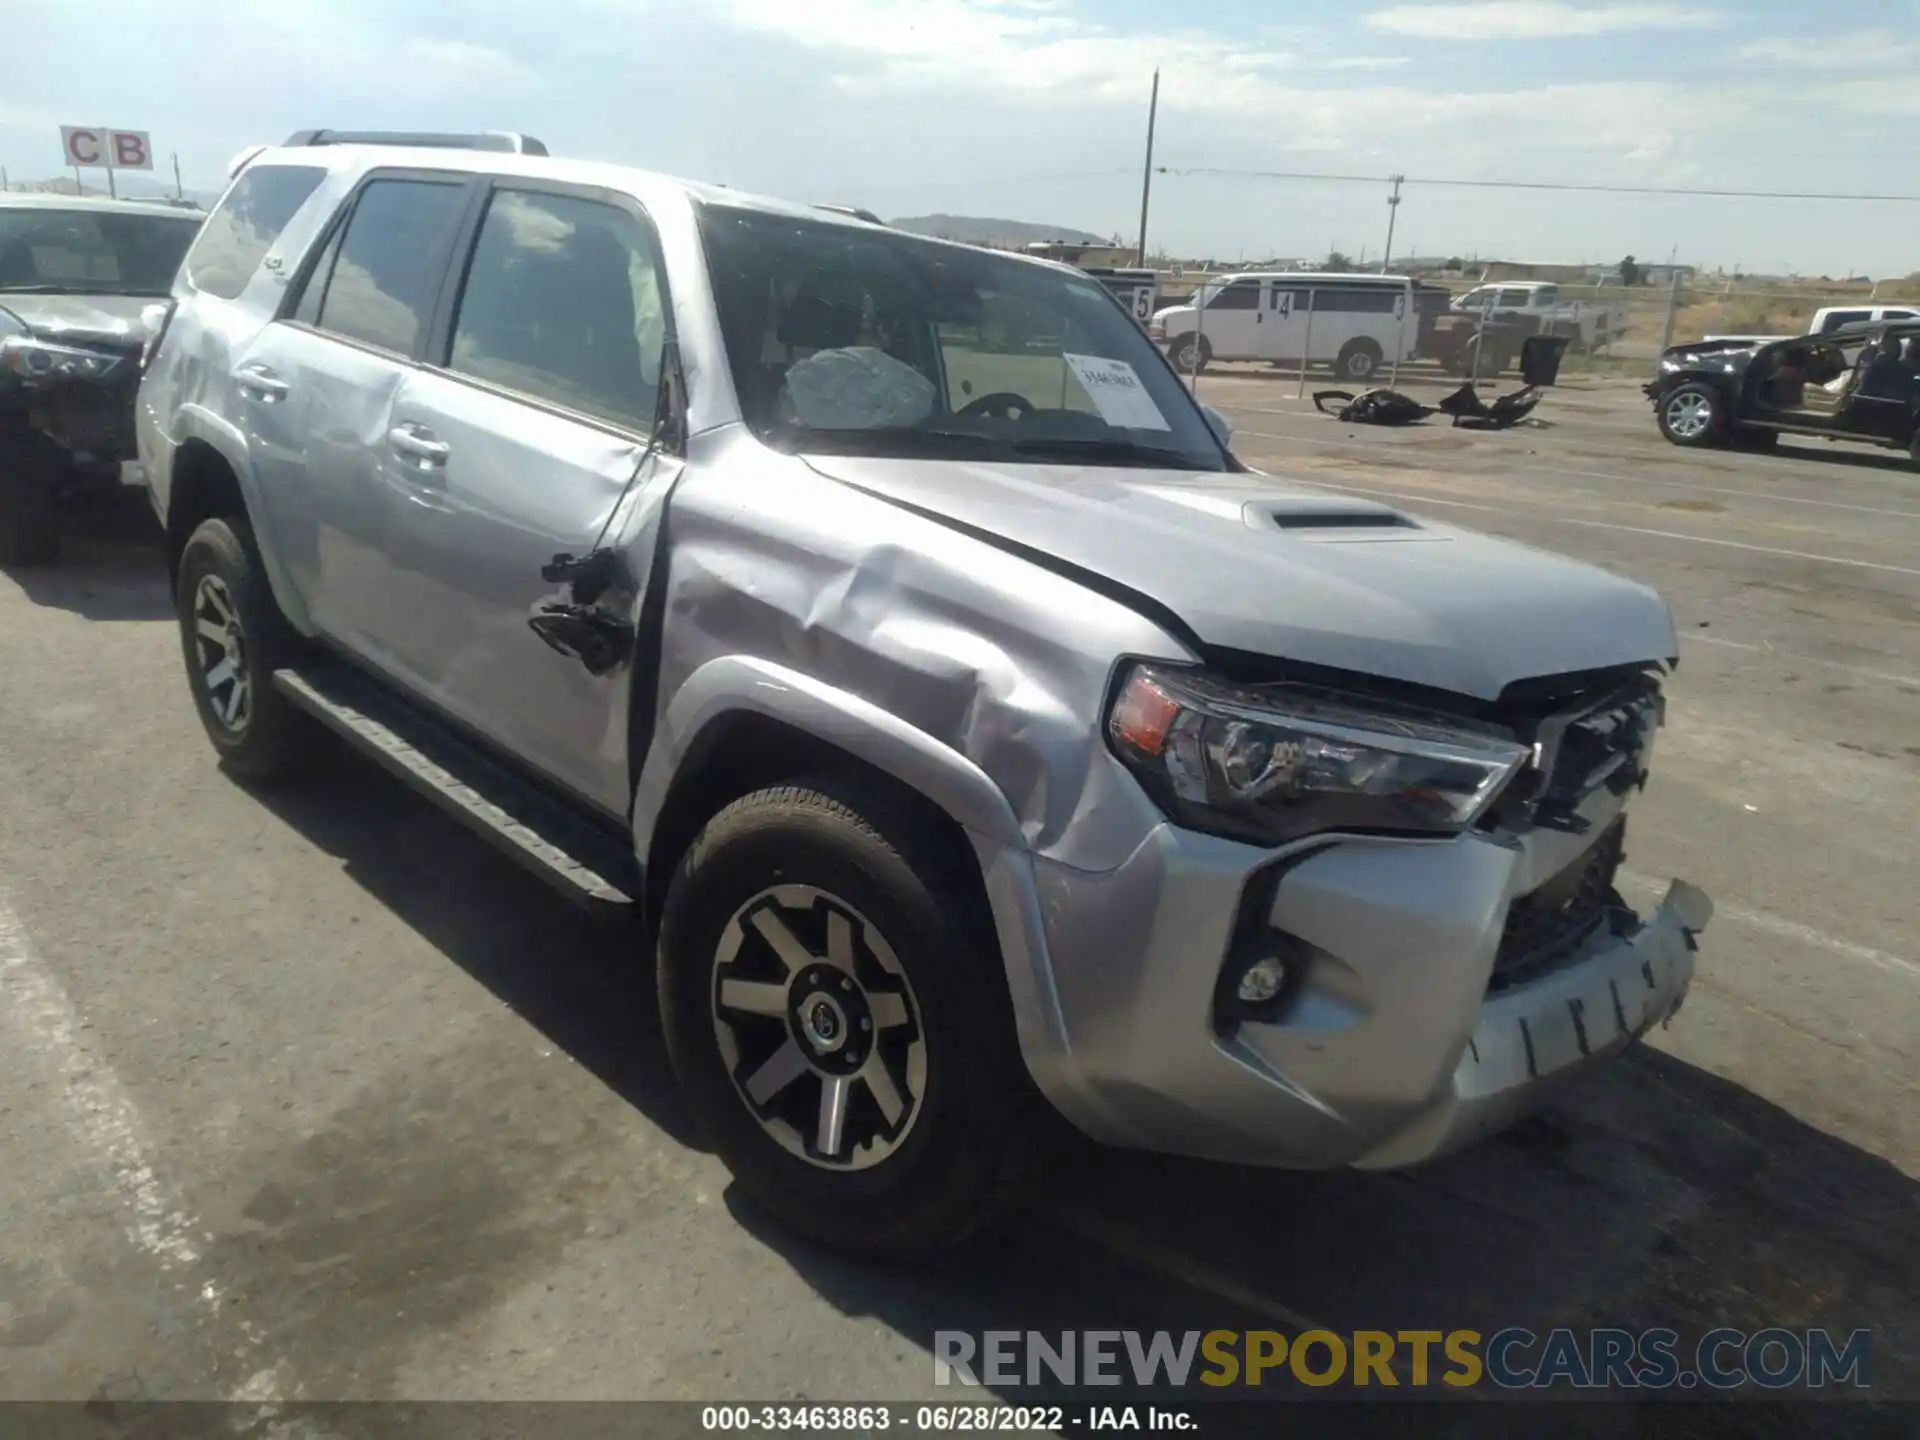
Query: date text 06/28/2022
{"x": 941, "y": 1417}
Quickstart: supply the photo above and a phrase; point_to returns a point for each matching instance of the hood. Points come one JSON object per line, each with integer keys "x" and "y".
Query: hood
{"x": 117, "y": 318}
{"x": 1252, "y": 564}
{"x": 1735, "y": 348}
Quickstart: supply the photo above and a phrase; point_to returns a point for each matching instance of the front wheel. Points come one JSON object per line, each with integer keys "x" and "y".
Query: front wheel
{"x": 1692, "y": 415}
{"x": 1189, "y": 354}
{"x": 837, "y": 1022}
{"x": 1359, "y": 360}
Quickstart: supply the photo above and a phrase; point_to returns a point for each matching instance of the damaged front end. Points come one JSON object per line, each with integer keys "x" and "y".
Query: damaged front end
{"x": 75, "y": 392}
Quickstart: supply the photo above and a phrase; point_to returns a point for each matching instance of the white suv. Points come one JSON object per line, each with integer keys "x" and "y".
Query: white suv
{"x": 881, "y": 623}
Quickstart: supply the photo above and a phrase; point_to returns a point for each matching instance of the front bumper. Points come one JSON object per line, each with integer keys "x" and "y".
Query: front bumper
{"x": 1392, "y": 1045}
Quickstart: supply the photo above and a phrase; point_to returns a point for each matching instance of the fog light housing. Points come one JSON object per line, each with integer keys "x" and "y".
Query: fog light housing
{"x": 1261, "y": 981}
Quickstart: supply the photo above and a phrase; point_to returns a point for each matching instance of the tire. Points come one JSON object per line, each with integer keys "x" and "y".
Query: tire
{"x": 1189, "y": 354}
{"x": 29, "y": 500}
{"x": 928, "y": 990}
{"x": 1359, "y": 360}
{"x": 222, "y": 588}
{"x": 1693, "y": 415}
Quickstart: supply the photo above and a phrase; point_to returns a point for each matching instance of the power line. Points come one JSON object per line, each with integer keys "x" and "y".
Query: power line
{"x": 1562, "y": 185}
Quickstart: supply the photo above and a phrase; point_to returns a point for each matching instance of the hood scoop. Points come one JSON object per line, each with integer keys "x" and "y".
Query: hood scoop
{"x": 1334, "y": 518}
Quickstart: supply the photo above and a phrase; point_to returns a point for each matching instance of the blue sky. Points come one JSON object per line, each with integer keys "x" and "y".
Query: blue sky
{"x": 1036, "y": 108}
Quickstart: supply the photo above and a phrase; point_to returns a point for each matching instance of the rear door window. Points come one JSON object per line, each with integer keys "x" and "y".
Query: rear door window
{"x": 244, "y": 226}
{"x": 384, "y": 275}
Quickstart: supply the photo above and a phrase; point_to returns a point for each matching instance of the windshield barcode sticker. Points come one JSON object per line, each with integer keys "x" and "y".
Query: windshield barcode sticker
{"x": 1117, "y": 393}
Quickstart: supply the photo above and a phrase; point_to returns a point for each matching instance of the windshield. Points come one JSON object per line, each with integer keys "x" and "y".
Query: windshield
{"x": 91, "y": 252}
{"x": 852, "y": 341}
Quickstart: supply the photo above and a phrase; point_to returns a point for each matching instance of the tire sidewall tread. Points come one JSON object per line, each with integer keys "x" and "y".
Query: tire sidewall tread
{"x": 278, "y": 737}
{"x": 958, "y": 1166}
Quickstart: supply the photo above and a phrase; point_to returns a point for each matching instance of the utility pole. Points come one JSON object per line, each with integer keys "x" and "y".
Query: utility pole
{"x": 1393, "y": 214}
{"x": 1146, "y": 174}
{"x": 178, "y": 192}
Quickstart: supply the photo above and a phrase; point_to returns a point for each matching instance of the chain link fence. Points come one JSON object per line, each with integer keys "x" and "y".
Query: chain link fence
{"x": 1611, "y": 328}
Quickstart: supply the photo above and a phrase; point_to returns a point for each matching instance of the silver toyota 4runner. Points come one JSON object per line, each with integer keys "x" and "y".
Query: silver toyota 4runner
{"x": 883, "y": 623}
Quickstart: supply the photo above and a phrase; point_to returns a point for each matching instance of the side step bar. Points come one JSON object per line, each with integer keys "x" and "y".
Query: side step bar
{"x": 588, "y": 863}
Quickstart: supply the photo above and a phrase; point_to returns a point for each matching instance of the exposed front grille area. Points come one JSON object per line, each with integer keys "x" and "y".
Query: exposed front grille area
{"x": 1545, "y": 927}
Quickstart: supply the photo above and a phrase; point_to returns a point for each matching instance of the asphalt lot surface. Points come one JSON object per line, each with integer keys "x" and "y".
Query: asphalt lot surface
{"x": 312, "y": 1095}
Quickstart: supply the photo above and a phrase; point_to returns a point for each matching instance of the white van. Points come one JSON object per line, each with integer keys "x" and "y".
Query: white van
{"x": 1356, "y": 323}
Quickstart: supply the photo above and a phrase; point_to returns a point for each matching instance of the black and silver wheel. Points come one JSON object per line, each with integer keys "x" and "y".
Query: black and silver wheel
{"x": 1359, "y": 360}
{"x": 1189, "y": 354}
{"x": 1692, "y": 415}
{"x": 838, "y": 1020}
{"x": 817, "y": 1023}
{"x": 233, "y": 637}
{"x": 220, "y": 655}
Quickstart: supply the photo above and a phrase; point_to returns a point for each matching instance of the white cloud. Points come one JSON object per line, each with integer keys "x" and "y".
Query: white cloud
{"x": 464, "y": 60}
{"x": 1855, "y": 50}
{"x": 1044, "y": 55}
{"x": 1534, "y": 19}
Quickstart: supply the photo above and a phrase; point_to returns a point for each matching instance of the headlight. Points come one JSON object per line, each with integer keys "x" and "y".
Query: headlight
{"x": 43, "y": 360}
{"x": 1274, "y": 764}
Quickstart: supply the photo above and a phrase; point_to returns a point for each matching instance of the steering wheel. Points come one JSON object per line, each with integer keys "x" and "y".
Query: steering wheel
{"x": 1000, "y": 405}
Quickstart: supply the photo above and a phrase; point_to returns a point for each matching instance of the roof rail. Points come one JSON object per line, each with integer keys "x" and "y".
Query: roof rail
{"x": 855, "y": 211}
{"x": 503, "y": 141}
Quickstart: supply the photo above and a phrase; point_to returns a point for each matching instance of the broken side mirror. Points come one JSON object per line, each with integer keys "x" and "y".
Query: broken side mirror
{"x": 1221, "y": 426}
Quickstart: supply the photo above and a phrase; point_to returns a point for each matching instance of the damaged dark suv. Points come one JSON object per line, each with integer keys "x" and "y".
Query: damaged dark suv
{"x": 83, "y": 283}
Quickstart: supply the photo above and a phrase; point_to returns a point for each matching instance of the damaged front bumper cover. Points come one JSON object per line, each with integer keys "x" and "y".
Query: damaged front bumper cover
{"x": 1532, "y": 1038}
{"x": 1393, "y": 1047}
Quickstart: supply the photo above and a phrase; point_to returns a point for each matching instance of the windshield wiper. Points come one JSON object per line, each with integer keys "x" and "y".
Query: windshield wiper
{"x": 913, "y": 439}
{"x": 1122, "y": 451}
{"x": 87, "y": 287}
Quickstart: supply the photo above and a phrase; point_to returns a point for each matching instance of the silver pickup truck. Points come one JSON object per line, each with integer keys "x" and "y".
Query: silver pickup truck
{"x": 881, "y": 625}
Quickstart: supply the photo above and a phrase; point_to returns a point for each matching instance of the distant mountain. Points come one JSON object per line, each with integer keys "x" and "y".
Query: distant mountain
{"x": 130, "y": 187}
{"x": 982, "y": 230}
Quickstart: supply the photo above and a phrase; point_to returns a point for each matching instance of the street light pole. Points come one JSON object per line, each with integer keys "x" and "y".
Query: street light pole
{"x": 1146, "y": 175}
{"x": 1393, "y": 214}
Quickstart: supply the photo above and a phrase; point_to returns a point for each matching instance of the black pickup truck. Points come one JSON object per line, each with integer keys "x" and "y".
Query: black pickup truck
{"x": 1858, "y": 383}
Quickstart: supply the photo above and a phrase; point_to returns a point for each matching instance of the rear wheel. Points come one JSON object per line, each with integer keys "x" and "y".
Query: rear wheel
{"x": 1692, "y": 415}
{"x": 836, "y": 1020}
{"x": 233, "y": 638}
{"x": 1913, "y": 449}
{"x": 1359, "y": 360}
{"x": 30, "y": 470}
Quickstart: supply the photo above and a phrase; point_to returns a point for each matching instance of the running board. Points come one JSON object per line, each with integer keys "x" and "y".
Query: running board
{"x": 586, "y": 862}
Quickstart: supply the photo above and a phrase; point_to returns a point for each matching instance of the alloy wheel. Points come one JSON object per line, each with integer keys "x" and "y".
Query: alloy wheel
{"x": 1689, "y": 415}
{"x": 819, "y": 1027}
{"x": 221, "y": 647}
